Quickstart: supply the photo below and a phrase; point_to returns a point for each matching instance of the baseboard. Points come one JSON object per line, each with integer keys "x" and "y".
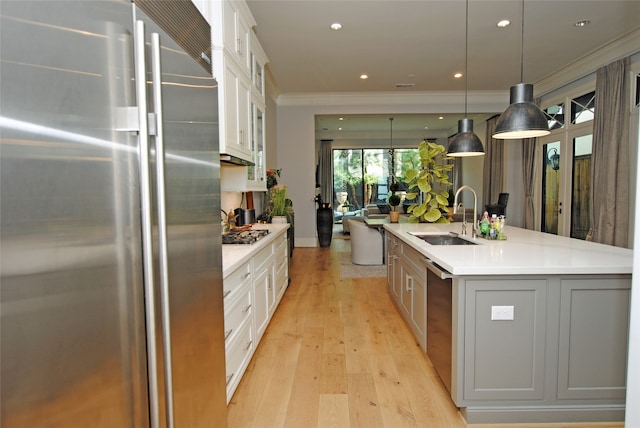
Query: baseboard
{"x": 543, "y": 414}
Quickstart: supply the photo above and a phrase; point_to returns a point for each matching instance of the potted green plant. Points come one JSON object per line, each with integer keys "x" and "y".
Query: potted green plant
{"x": 394, "y": 214}
{"x": 280, "y": 206}
{"x": 431, "y": 179}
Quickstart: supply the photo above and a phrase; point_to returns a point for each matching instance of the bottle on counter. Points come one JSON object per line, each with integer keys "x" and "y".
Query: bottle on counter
{"x": 493, "y": 231}
{"x": 501, "y": 222}
{"x": 484, "y": 224}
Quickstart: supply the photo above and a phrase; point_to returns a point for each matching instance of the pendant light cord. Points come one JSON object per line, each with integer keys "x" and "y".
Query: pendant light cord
{"x": 522, "y": 45}
{"x": 466, "y": 57}
{"x": 391, "y": 152}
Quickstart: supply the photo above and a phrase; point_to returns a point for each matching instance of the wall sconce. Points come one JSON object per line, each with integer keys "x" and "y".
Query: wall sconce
{"x": 554, "y": 159}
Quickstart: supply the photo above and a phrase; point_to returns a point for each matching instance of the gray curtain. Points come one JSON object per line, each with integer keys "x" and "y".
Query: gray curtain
{"x": 609, "y": 213}
{"x": 456, "y": 174}
{"x": 493, "y": 172}
{"x": 528, "y": 179}
{"x": 326, "y": 176}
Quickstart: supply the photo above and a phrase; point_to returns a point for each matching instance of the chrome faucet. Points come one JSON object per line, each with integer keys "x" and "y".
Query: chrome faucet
{"x": 475, "y": 212}
{"x": 464, "y": 217}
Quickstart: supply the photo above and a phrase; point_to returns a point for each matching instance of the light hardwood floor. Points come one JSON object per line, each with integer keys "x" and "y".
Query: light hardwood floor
{"x": 338, "y": 354}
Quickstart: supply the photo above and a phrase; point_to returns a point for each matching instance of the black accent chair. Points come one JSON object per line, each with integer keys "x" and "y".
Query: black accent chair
{"x": 499, "y": 208}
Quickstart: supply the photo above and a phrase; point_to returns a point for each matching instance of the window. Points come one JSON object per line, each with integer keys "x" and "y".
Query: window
{"x": 363, "y": 176}
{"x": 581, "y": 186}
{"x": 555, "y": 116}
{"x": 638, "y": 91}
{"x": 582, "y": 108}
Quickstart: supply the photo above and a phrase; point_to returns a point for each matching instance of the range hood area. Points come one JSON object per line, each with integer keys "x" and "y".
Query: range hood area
{"x": 234, "y": 160}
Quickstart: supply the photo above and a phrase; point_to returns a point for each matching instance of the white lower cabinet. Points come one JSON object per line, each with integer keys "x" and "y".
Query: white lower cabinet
{"x": 281, "y": 266}
{"x": 252, "y": 293}
{"x": 238, "y": 355}
{"x": 264, "y": 293}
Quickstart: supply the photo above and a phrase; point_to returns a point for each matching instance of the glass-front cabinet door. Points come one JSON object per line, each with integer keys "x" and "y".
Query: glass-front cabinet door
{"x": 249, "y": 178}
{"x": 256, "y": 174}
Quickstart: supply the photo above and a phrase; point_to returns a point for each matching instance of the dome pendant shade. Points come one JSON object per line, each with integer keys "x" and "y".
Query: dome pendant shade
{"x": 465, "y": 142}
{"x": 523, "y": 118}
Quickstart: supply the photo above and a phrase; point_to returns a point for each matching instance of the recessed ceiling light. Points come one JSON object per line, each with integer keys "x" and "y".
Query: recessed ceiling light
{"x": 441, "y": 117}
{"x": 339, "y": 129}
{"x": 336, "y": 26}
{"x": 457, "y": 75}
{"x": 341, "y": 118}
{"x": 583, "y": 23}
{"x": 364, "y": 76}
{"x": 503, "y": 23}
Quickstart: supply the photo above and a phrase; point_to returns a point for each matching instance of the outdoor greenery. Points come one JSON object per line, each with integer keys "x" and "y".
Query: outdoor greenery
{"x": 365, "y": 173}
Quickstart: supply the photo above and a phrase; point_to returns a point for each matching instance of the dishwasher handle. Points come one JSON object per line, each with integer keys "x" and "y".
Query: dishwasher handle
{"x": 440, "y": 272}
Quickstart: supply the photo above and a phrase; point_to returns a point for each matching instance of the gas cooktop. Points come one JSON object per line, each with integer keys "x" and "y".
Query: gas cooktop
{"x": 249, "y": 236}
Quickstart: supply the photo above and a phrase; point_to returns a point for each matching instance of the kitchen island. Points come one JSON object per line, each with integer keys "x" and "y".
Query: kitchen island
{"x": 530, "y": 329}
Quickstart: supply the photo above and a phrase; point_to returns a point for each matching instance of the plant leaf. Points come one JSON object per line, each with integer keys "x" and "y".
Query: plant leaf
{"x": 442, "y": 200}
{"x": 433, "y": 215}
{"x": 424, "y": 186}
{"x": 419, "y": 210}
{"x": 411, "y": 195}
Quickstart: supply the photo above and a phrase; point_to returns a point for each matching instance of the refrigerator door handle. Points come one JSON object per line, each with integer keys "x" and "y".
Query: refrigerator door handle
{"x": 146, "y": 220}
{"x": 162, "y": 224}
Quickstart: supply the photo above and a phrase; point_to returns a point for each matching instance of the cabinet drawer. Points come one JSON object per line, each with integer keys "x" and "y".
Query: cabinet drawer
{"x": 237, "y": 313}
{"x": 235, "y": 280}
{"x": 415, "y": 260}
{"x": 262, "y": 258}
{"x": 282, "y": 278}
{"x": 281, "y": 248}
{"x": 237, "y": 358}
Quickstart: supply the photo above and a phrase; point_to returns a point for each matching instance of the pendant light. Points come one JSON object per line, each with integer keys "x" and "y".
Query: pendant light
{"x": 523, "y": 118}
{"x": 465, "y": 142}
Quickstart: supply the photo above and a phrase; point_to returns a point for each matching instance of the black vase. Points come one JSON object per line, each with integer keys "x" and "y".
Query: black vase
{"x": 324, "y": 224}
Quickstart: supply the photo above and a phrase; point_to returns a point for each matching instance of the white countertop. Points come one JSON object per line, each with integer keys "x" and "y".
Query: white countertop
{"x": 234, "y": 255}
{"x": 524, "y": 252}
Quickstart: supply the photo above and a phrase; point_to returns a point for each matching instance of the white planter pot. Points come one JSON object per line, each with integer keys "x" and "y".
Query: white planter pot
{"x": 279, "y": 219}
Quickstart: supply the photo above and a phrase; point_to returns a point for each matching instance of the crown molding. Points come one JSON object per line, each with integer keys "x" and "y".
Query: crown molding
{"x": 626, "y": 45}
{"x": 422, "y": 102}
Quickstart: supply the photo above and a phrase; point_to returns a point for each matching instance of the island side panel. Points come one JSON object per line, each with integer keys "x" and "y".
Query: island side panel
{"x": 594, "y": 322}
{"x": 504, "y": 358}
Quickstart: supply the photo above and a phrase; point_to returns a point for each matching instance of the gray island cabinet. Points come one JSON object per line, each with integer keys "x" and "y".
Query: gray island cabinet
{"x": 530, "y": 329}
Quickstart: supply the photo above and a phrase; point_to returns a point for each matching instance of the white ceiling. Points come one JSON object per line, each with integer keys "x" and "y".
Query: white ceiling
{"x": 423, "y": 42}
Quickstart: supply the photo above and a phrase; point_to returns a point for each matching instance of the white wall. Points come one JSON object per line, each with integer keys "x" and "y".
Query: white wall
{"x": 297, "y": 147}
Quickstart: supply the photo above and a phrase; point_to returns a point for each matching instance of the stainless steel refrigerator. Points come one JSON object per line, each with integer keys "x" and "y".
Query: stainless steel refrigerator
{"x": 111, "y": 279}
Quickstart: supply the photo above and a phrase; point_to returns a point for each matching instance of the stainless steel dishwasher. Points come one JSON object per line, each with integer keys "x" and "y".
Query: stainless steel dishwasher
{"x": 439, "y": 310}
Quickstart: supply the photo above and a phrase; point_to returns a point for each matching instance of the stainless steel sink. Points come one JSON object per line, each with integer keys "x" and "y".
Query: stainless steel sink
{"x": 442, "y": 239}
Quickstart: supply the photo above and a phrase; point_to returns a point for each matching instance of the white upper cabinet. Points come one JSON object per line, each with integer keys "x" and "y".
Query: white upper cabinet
{"x": 237, "y": 25}
{"x": 238, "y": 66}
{"x": 231, "y": 29}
